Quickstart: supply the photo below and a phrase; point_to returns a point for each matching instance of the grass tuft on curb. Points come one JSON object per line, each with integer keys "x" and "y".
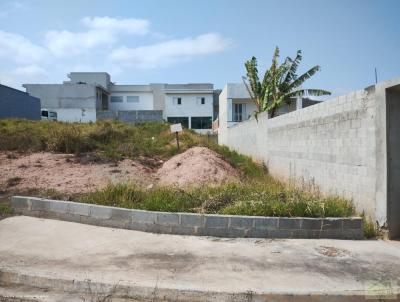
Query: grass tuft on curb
{"x": 251, "y": 198}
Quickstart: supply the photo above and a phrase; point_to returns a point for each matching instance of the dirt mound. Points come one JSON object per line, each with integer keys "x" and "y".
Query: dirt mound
{"x": 195, "y": 167}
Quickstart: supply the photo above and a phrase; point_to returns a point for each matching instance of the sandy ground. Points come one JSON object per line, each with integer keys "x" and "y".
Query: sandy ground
{"x": 63, "y": 173}
{"x": 68, "y": 174}
{"x": 197, "y": 166}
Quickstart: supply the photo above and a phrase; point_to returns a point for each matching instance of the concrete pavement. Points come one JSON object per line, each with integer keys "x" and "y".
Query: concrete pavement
{"x": 62, "y": 256}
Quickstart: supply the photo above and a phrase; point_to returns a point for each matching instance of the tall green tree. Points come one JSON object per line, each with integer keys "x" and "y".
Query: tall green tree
{"x": 279, "y": 84}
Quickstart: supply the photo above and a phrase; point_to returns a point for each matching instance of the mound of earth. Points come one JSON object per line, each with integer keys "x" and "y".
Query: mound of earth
{"x": 195, "y": 167}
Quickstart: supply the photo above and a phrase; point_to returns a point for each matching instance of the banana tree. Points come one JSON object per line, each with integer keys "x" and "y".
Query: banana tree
{"x": 279, "y": 84}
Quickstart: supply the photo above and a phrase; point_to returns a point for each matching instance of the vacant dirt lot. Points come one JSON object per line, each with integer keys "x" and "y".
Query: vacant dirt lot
{"x": 66, "y": 173}
{"x": 71, "y": 174}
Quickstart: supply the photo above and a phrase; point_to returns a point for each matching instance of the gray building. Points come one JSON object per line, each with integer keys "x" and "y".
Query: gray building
{"x": 89, "y": 96}
{"x": 18, "y": 104}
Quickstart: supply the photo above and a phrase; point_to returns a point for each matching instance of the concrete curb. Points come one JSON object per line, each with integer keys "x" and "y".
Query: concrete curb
{"x": 190, "y": 224}
{"x": 158, "y": 293}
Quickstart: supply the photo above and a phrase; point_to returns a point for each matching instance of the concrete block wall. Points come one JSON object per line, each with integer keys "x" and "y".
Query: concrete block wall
{"x": 335, "y": 146}
{"x": 190, "y": 224}
{"x": 132, "y": 116}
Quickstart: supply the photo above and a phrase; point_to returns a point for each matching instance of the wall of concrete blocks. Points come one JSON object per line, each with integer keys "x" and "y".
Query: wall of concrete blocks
{"x": 132, "y": 116}
{"x": 190, "y": 224}
{"x": 338, "y": 146}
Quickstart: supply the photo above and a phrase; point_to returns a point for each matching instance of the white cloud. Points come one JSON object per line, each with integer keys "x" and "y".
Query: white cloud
{"x": 96, "y": 47}
{"x": 19, "y": 49}
{"x": 66, "y": 43}
{"x": 129, "y": 26}
{"x": 101, "y": 31}
{"x": 169, "y": 52}
{"x": 30, "y": 71}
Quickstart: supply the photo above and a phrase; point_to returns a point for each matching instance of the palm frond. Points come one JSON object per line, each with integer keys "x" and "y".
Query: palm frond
{"x": 306, "y": 92}
{"x": 292, "y": 73}
{"x": 304, "y": 77}
{"x": 252, "y": 97}
{"x": 252, "y": 76}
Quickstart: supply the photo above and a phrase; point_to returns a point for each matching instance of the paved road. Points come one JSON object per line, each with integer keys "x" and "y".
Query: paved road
{"x": 53, "y": 253}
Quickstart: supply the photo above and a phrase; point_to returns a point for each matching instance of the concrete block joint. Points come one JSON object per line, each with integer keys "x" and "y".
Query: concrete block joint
{"x": 230, "y": 226}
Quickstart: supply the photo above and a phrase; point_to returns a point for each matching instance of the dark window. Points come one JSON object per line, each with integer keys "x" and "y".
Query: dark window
{"x": 132, "y": 99}
{"x": 203, "y": 122}
{"x": 117, "y": 99}
{"x": 203, "y": 101}
{"x": 237, "y": 112}
{"x": 179, "y": 101}
{"x": 45, "y": 113}
{"x": 53, "y": 115}
{"x": 179, "y": 119}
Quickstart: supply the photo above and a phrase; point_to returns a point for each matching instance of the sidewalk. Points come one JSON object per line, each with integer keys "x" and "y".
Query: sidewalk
{"x": 62, "y": 255}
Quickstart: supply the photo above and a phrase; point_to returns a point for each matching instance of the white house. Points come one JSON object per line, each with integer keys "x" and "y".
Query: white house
{"x": 235, "y": 105}
{"x": 89, "y": 96}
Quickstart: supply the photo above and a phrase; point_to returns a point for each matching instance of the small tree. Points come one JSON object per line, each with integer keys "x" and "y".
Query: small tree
{"x": 280, "y": 83}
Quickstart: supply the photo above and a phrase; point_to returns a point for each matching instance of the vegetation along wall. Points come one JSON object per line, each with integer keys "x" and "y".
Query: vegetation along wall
{"x": 339, "y": 145}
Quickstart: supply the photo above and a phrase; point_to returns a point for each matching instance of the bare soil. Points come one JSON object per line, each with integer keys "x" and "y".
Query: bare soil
{"x": 72, "y": 174}
{"x": 196, "y": 167}
{"x": 67, "y": 173}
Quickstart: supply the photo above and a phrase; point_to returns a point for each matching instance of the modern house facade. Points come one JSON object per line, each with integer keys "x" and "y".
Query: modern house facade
{"x": 18, "y": 104}
{"x": 89, "y": 96}
{"x": 235, "y": 105}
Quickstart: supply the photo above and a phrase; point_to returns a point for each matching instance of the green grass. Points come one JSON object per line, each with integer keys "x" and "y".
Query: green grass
{"x": 266, "y": 198}
{"x": 4, "y": 209}
{"x": 112, "y": 140}
{"x": 371, "y": 230}
{"x": 256, "y": 194}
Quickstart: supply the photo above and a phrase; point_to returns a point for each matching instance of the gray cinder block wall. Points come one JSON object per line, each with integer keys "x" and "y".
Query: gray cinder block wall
{"x": 18, "y": 104}
{"x": 132, "y": 116}
{"x": 190, "y": 223}
{"x": 339, "y": 145}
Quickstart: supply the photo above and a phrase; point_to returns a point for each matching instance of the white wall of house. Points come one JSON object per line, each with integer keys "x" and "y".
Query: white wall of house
{"x": 248, "y": 109}
{"x": 144, "y": 101}
{"x": 190, "y": 106}
{"x": 74, "y": 115}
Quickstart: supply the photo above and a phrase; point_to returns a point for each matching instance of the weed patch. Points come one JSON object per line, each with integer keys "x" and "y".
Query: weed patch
{"x": 253, "y": 199}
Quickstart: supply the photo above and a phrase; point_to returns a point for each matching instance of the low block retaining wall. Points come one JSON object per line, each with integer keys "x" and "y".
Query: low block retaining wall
{"x": 190, "y": 224}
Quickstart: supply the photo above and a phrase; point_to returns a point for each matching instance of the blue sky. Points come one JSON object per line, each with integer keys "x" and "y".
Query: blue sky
{"x": 179, "y": 41}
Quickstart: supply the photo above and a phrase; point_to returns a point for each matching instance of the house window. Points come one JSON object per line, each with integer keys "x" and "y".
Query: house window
{"x": 179, "y": 119}
{"x": 177, "y": 101}
{"x": 201, "y": 100}
{"x": 237, "y": 112}
{"x": 203, "y": 122}
{"x": 117, "y": 99}
{"x": 132, "y": 99}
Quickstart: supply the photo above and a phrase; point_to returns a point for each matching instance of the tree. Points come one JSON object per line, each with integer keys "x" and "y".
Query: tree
{"x": 280, "y": 83}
